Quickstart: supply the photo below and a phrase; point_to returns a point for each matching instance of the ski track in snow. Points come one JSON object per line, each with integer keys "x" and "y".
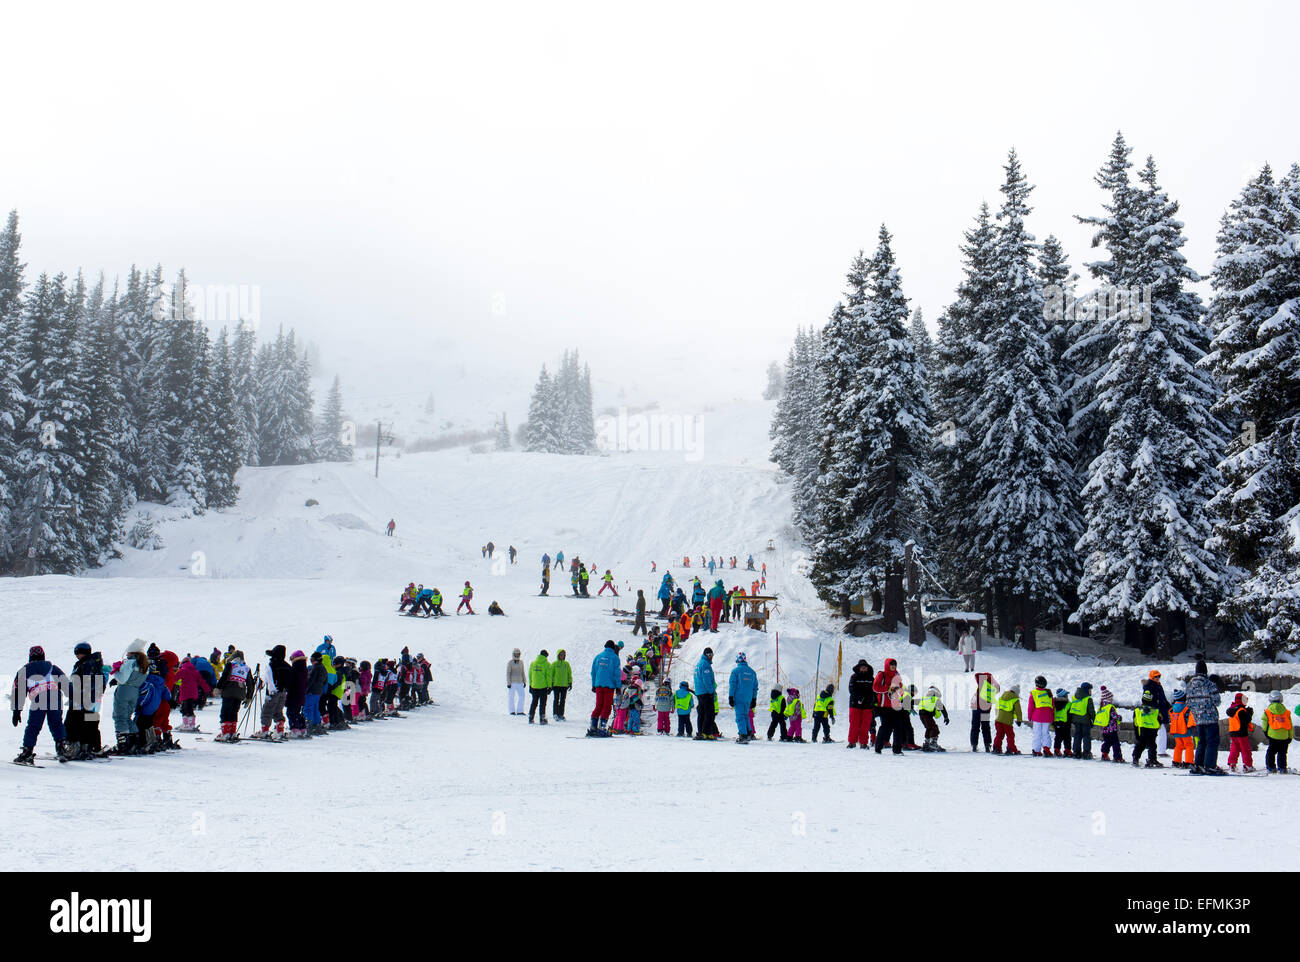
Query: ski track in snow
{"x": 464, "y": 786}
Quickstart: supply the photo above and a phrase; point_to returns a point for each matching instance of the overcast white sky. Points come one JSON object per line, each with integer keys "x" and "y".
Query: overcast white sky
{"x": 663, "y": 183}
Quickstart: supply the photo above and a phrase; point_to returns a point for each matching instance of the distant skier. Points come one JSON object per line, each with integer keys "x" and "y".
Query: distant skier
{"x": 513, "y": 554}
{"x": 742, "y": 693}
{"x": 466, "y": 595}
{"x": 392, "y": 523}
{"x": 639, "y": 625}
{"x": 546, "y": 580}
{"x": 608, "y": 580}
{"x": 495, "y": 609}
{"x": 41, "y": 685}
{"x": 490, "y": 548}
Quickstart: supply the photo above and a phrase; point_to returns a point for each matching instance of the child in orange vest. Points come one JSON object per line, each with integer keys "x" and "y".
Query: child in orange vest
{"x": 1182, "y": 727}
{"x": 1239, "y": 729}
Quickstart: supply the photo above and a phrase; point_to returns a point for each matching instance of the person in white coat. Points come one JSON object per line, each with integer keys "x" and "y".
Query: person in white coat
{"x": 516, "y": 683}
{"x": 966, "y": 648}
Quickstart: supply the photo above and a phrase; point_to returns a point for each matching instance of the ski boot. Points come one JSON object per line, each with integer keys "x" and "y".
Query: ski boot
{"x": 1248, "y": 768}
{"x": 26, "y": 757}
{"x": 1154, "y": 763}
{"x": 997, "y": 749}
{"x": 1047, "y": 752}
{"x": 926, "y": 746}
{"x": 542, "y": 721}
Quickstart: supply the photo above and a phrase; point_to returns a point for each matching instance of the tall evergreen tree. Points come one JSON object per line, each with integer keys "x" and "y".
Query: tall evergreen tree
{"x": 874, "y": 495}
{"x": 503, "y": 434}
{"x": 225, "y": 443}
{"x": 11, "y": 394}
{"x": 1146, "y": 567}
{"x": 330, "y": 443}
{"x": 543, "y": 433}
{"x": 963, "y": 332}
{"x": 1025, "y": 518}
{"x": 1255, "y": 355}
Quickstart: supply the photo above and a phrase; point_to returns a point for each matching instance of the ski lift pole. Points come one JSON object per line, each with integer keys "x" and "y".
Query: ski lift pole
{"x": 777, "y": 677}
{"x": 817, "y": 680}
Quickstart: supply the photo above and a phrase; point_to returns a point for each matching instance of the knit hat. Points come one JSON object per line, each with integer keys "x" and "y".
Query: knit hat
{"x": 136, "y": 646}
{"x": 1179, "y": 695}
{"x": 740, "y": 658}
{"x": 545, "y": 653}
{"x": 1201, "y": 668}
{"x": 1106, "y": 695}
{"x": 683, "y": 685}
{"x": 1062, "y": 693}
{"x": 297, "y": 656}
{"x": 35, "y": 653}
{"x": 1275, "y": 697}
{"x": 1148, "y": 697}
{"x": 1086, "y": 686}
{"x": 83, "y": 648}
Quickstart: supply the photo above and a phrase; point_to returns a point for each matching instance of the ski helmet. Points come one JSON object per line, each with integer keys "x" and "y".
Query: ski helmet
{"x": 329, "y": 639}
{"x": 82, "y": 648}
{"x": 35, "y": 653}
{"x": 1040, "y": 681}
{"x": 708, "y": 652}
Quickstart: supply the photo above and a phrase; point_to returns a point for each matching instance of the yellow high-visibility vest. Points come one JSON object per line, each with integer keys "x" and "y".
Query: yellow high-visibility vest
{"x": 1146, "y": 718}
{"x": 1007, "y": 703}
{"x": 1079, "y": 706}
{"x": 1102, "y": 718}
{"x": 1042, "y": 698}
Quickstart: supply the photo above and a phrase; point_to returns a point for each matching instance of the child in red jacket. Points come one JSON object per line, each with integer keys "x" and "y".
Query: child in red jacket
{"x": 1240, "y": 726}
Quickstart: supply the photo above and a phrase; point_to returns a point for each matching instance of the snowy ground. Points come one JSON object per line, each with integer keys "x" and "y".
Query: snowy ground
{"x": 465, "y": 786}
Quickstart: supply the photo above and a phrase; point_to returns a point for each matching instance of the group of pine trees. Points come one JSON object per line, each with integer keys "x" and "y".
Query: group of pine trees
{"x": 1127, "y": 460}
{"x": 113, "y": 396}
{"x": 561, "y": 418}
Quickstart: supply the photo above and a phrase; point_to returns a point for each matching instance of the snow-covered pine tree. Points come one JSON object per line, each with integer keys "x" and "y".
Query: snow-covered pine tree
{"x": 179, "y": 416}
{"x": 922, "y": 342}
{"x": 11, "y": 394}
{"x": 874, "y": 495}
{"x": 107, "y": 492}
{"x": 284, "y": 403}
{"x": 542, "y": 430}
{"x": 1060, "y": 288}
{"x": 1255, "y": 355}
{"x": 1025, "y": 519}
{"x": 795, "y": 430}
{"x": 775, "y": 382}
{"x": 1146, "y": 568}
{"x": 52, "y": 440}
{"x": 585, "y": 417}
{"x": 1094, "y": 331}
{"x": 225, "y": 438}
{"x": 243, "y": 381}
{"x": 330, "y": 443}
{"x": 503, "y": 434}
{"x": 963, "y": 330}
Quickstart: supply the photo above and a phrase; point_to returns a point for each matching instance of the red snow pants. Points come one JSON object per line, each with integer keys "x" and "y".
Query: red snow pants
{"x": 859, "y": 726}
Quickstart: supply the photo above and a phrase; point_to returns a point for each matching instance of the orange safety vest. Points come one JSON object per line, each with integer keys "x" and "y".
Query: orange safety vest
{"x": 1179, "y": 721}
{"x": 1279, "y": 720}
{"x": 1234, "y": 723}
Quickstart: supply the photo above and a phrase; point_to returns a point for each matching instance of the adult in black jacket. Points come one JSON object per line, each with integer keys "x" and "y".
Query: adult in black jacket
{"x": 88, "y": 687}
{"x": 277, "y": 680}
{"x": 640, "y": 613}
{"x": 862, "y": 704}
{"x": 1160, "y": 702}
{"x": 297, "y": 695}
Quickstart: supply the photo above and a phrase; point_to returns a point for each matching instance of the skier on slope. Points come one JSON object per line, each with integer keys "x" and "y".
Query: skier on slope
{"x": 608, "y": 580}
{"x": 742, "y": 694}
{"x": 89, "y": 682}
{"x": 129, "y": 675}
{"x": 717, "y": 598}
{"x": 466, "y": 595}
{"x": 41, "y": 685}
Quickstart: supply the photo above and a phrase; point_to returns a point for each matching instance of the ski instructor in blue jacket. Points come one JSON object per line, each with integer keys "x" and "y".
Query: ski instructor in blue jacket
{"x": 743, "y": 691}
{"x": 606, "y": 676}
{"x": 706, "y": 696}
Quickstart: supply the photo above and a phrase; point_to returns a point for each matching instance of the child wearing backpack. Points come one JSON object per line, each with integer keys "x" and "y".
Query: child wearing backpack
{"x": 1182, "y": 728}
{"x": 685, "y": 701}
{"x": 1108, "y": 720}
{"x": 824, "y": 714}
{"x": 633, "y": 696}
{"x": 795, "y": 711}
{"x": 234, "y": 682}
{"x": 663, "y": 706}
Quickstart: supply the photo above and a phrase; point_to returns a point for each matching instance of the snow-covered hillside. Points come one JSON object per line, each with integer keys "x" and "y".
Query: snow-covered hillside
{"x": 464, "y": 785}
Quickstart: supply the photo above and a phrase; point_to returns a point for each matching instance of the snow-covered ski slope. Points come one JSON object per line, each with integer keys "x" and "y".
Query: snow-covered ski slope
{"x": 464, "y": 785}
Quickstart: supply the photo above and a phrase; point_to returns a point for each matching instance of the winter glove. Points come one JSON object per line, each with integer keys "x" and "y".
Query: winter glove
{"x": 18, "y": 716}
{"x": 730, "y": 701}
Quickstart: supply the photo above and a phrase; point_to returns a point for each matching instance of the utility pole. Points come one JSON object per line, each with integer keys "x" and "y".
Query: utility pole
{"x": 380, "y": 437}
